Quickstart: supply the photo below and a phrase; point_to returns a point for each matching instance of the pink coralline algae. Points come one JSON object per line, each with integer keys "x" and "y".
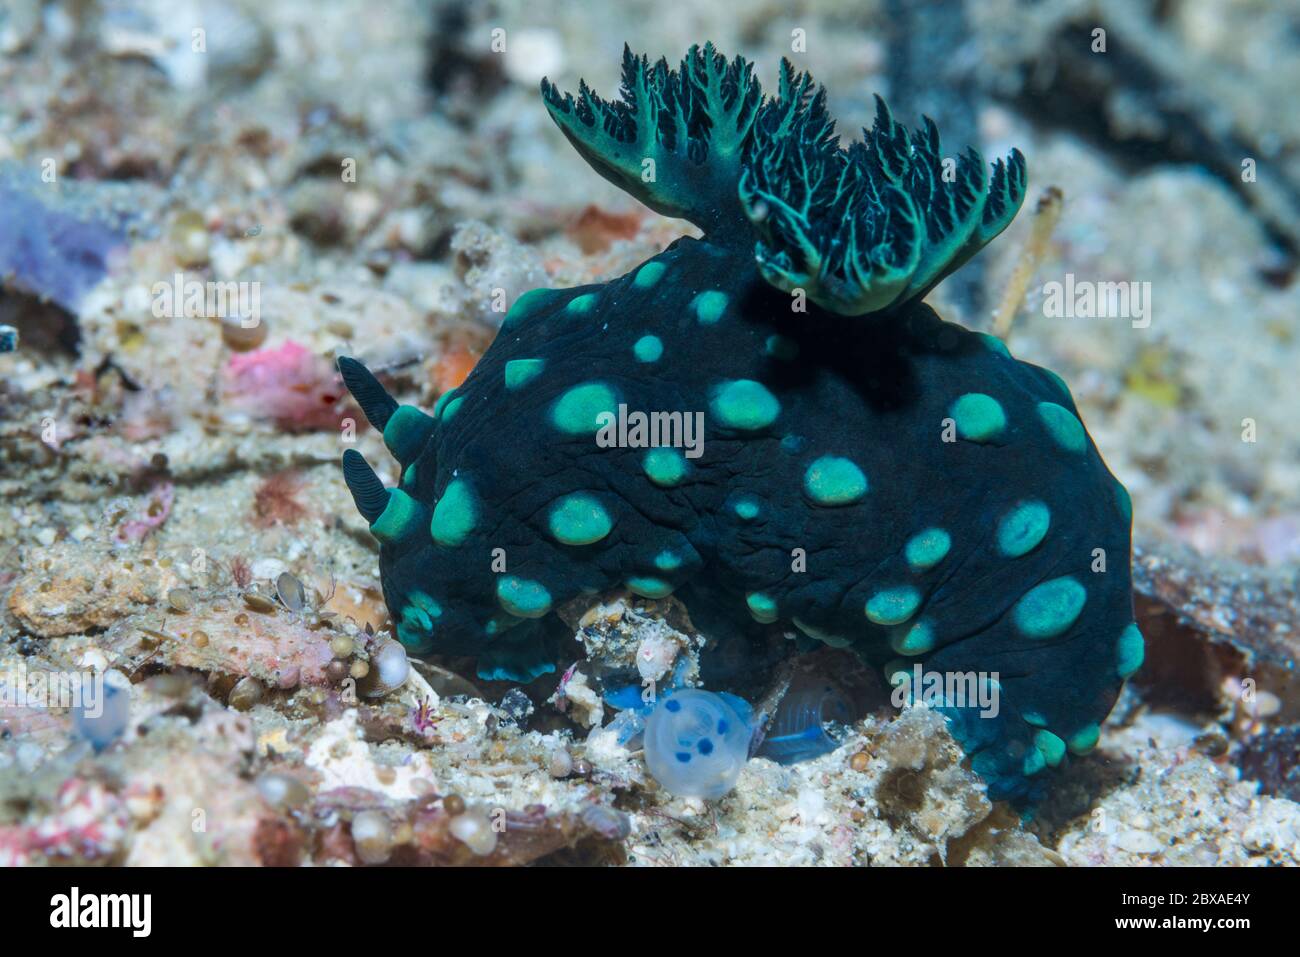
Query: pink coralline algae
{"x": 88, "y": 824}
{"x": 289, "y": 385}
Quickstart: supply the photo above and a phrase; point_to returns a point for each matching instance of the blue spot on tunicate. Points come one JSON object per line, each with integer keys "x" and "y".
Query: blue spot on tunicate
{"x": 673, "y": 706}
{"x": 683, "y": 757}
{"x": 705, "y": 746}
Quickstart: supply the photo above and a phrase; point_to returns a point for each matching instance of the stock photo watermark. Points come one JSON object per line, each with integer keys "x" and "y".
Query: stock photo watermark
{"x": 1086, "y": 299}
{"x": 976, "y": 690}
{"x": 184, "y": 298}
{"x": 28, "y": 688}
{"x": 645, "y": 430}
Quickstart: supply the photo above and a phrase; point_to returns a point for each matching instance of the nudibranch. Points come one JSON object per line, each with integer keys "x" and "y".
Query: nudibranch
{"x": 868, "y": 474}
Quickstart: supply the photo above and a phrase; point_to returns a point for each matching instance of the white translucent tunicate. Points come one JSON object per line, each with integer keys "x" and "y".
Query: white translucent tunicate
{"x": 696, "y": 742}
{"x": 105, "y": 708}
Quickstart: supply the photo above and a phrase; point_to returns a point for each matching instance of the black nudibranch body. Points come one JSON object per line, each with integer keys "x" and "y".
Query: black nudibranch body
{"x": 868, "y": 474}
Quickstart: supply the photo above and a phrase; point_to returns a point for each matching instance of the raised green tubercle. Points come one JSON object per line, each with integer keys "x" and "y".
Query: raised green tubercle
{"x": 927, "y": 549}
{"x": 833, "y": 480}
{"x": 1050, "y": 608}
{"x": 579, "y": 519}
{"x": 744, "y": 404}
{"x": 455, "y": 514}
{"x": 402, "y": 516}
{"x": 523, "y": 597}
{"x": 979, "y": 417}
{"x": 664, "y": 466}
{"x": 579, "y": 409}
{"x": 893, "y": 606}
{"x": 520, "y": 372}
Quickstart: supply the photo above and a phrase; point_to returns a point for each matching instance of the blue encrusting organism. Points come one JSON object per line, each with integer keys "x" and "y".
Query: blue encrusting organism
{"x": 871, "y": 475}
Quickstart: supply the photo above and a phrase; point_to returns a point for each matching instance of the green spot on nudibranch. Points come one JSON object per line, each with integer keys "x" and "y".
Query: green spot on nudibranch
{"x": 1036, "y": 718}
{"x": 1034, "y": 762}
{"x": 744, "y": 404}
{"x": 781, "y": 347}
{"x": 579, "y": 519}
{"x": 832, "y": 480}
{"x": 648, "y": 587}
{"x": 1050, "y": 608}
{"x": 762, "y": 607}
{"x": 979, "y": 417}
{"x": 664, "y": 466}
{"x": 407, "y": 431}
{"x": 820, "y": 634}
{"x": 417, "y": 618}
{"x": 649, "y": 274}
{"x": 1063, "y": 426}
{"x": 995, "y": 344}
{"x": 668, "y": 561}
{"x": 399, "y": 518}
{"x": 709, "y": 306}
{"x": 1085, "y": 739}
{"x": 917, "y": 640}
{"x": 577, "y": 411}
{"x": 451, "y": 408}
{"x": 525, "y": 305}
{"x": 520, "y": 372}
{"x": 441, "y": 404}
{"x": 500, "y": 622}
{"x": 1130, "y": 652}
{"x": 1021, "y": 529}
{"x": 455, "y": 514}
{"x": 1052, "y": 747}
{"x": 747, "y": 507}
{"x": 408, "y": 476}
{"x": 893, "y": 606}
{"x": 648, "y": 349}
{"x": 523, "y": 597}
{"x": 582, "y": 304}
{"x": 926, "y": 549}
{"x": 422, "y": 601}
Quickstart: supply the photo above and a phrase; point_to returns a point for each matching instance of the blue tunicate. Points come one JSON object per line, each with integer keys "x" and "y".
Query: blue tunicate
{"x": 697, "y": 741}
{"x": 798, "y": 729}
{"x": 104, "y": 710}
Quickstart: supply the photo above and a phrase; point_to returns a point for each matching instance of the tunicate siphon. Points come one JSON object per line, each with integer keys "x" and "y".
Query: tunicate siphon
{"x": 797, "y": 732}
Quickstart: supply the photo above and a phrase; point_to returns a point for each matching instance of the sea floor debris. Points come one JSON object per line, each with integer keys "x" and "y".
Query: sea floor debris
{"x": 172, "y": 512}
